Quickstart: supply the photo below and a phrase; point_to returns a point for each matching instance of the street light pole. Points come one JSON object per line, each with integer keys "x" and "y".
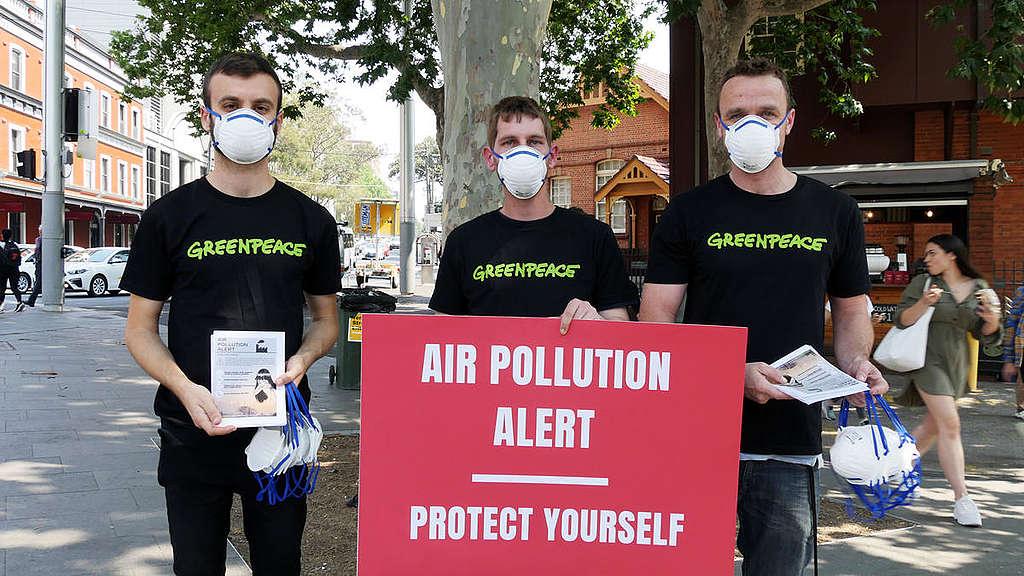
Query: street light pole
{"x": 407, "y": 229}
{"x": 53, "y": 148}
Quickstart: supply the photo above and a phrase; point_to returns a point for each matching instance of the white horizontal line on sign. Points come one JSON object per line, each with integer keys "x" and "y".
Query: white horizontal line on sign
{"x": 535, "y": 479}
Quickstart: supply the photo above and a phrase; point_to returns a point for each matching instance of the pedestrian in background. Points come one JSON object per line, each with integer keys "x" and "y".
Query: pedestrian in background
{"x": 10, "y": 260}
{"x": 1012, "y": 338}
{"x": 37, "y": 286}
{"x": 959, "y": 309}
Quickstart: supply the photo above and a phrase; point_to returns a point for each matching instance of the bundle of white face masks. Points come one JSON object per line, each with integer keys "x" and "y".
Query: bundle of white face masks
{"x": 284, "y": 458}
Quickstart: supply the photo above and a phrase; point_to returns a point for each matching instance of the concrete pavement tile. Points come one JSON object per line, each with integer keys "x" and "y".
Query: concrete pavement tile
{"x": 41, "y": 423}
{"x": 15, "y": 452}
{"x": 22, "y": 398}
{"x": 129, "y": 478}
{"x": 141, "y": 460}
{"x": 39, "y": 466}
{"x": 68, "y": 503}
{"x": 140, "y": 523}
{"x": 134, "y": 555}
{"x": 55, "y": 531}
{"x": 41, "y": 437}
{"x": 94, "y": 447}
{"x": 9, "y": 415}
{"x": 28, "y": 482}
{"x": 148, "y": 496}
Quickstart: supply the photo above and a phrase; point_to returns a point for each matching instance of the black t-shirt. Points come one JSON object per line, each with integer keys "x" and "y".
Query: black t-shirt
{"x": 496, "y": 266}
{"x": 230, "y": 263}
{"x": 764, "y": 262}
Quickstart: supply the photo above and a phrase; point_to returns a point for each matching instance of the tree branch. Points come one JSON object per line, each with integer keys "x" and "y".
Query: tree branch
{"x": 768, "y": 8}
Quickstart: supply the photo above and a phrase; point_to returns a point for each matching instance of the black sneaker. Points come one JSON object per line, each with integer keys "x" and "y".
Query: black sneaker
{"x": 19, "y": 307}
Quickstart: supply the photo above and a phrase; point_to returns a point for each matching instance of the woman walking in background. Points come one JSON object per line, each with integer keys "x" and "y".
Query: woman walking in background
{"x": 955, "y": 291}
{"x": 10, "y": 260}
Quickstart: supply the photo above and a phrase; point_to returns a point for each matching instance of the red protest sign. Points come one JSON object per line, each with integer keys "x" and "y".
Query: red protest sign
{"x": 497, "y": 446}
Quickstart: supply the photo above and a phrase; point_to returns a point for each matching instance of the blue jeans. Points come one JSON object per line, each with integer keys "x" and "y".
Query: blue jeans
{"x": 777, "y": 522}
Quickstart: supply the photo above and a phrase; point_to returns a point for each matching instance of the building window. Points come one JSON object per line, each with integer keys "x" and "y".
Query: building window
{"x": 153, "y": 118}
{"x": 104, "y": 173}
{"x": 16, "y": 222}
{"x": 122, "y": 118}
{"x": 165, "y": 172}
{"x": 136, "y": 181}
{"x": 135, "y": 123}
{"x": 184, "y": 173}
{"x": 69, "y": 81}
{"x": 17, "y": 80}
{"x": 118, "y": 234}
{"x": 104, "y": 109}
{"x": 122, "y": 178}
{"x": 88, "y": 174}
{"x": 561, "y": 191}
{"x": 618, "y": 215}
{"x": 150, "y": 175}
{"x": 69, "y": 232}
{"x": 606, "y": 169}
{"x": 17, "y": 141}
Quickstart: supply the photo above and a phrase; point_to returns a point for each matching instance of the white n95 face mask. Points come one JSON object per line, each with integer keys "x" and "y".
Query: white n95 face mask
{"x": 243, "y": 135}
{"x": 522, "y": 170}
{"x": 752, "y": 142}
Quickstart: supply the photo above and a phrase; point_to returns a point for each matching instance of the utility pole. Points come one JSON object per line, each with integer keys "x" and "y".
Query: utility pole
{"x": 53, "y": 155}
{"x": 407, "y": 229}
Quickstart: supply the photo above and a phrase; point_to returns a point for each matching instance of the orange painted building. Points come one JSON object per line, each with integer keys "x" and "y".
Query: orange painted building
{"x": 103, "y": 197}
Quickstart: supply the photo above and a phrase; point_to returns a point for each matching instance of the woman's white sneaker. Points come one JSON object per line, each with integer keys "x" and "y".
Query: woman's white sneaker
{"x": 966, "y": 513}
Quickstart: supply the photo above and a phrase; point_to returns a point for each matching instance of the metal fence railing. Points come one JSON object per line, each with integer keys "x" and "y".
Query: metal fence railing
{"x": 636, "y": 266}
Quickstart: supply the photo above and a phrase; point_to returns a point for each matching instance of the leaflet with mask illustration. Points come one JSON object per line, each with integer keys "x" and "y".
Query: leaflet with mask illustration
{"x": 810, "y": 378}
{"x": 243, "y": 365}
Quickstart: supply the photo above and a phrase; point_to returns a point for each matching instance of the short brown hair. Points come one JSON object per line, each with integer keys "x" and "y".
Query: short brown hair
{"x": 758, "y": 67}
{"x": 517, "y": 106}
{"x": 244, "y": 64}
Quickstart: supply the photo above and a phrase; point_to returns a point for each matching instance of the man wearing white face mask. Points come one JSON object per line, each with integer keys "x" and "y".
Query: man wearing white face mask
{"x": 530, "y": 258}
{"x": 236, "y": 250}
{"x": 761, "y": 247}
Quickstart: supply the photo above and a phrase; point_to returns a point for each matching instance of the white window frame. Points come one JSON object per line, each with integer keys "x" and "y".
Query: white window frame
{"x": 123, "y": 174}
{"x": 557, "y": 184}
{"x": 22, "y": 232}
{"x": 88, "y": 174}
{"x": 619, "y": 213}
{"x": 109, "y": 165}
{"x": 69, "y": 232}
{"x": 88, "y": 87}
{"x": 12, "y": 159}
{"x": 136, "y": 182}
{"x": 136, "y": 122}
{"x": 22, "y": 63}
{"x": 602, "y": 171}
{"x": 122, "y": 118}
{"x": 105, "y": 108}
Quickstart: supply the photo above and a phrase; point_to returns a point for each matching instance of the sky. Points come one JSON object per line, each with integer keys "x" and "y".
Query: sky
{"x": 381, "y": 117}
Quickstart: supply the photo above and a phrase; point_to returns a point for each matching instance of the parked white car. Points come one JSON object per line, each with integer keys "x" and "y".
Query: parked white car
{"x": 27, "y": 270}
{"x": 95, "y": 270}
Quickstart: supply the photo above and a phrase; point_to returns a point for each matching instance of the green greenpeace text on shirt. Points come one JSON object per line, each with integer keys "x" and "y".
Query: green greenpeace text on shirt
{"x": 200, "y": 250}
{"x": 525, "y": 270}
{"x": 765, "y": 241}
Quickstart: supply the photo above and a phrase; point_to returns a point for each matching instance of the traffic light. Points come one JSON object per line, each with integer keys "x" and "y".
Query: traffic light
{"x": 27, "y": 164}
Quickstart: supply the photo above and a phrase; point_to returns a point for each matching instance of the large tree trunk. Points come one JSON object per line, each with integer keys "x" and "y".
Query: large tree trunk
{"x": 489, "y": 49}
{"x": 722, "y": 37}
{"x": 722, "y": 30}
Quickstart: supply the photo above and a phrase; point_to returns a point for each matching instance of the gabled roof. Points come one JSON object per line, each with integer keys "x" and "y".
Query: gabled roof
{"x": 656, "y": 79}
{"x": 639, "y": 176}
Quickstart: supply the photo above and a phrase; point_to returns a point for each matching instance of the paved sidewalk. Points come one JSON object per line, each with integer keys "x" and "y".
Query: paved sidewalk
{"x": 78, "y": 491}
{"x": 78, "y": 446}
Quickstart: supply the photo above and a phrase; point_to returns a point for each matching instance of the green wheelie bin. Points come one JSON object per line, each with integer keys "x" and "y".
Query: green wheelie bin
{"x": 352, "y": 304}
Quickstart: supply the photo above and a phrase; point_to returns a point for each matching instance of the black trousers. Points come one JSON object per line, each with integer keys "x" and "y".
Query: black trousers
{"x": 9, "y": 275}
{"x": 200, "y": 477}
{"x": 37, "y": 286}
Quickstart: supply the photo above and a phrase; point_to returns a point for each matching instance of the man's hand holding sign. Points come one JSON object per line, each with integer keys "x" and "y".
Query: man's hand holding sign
{"x": 498, "y": 445}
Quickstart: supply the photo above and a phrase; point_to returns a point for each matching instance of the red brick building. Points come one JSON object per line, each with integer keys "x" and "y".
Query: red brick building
{"x": 625, "y": 169}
